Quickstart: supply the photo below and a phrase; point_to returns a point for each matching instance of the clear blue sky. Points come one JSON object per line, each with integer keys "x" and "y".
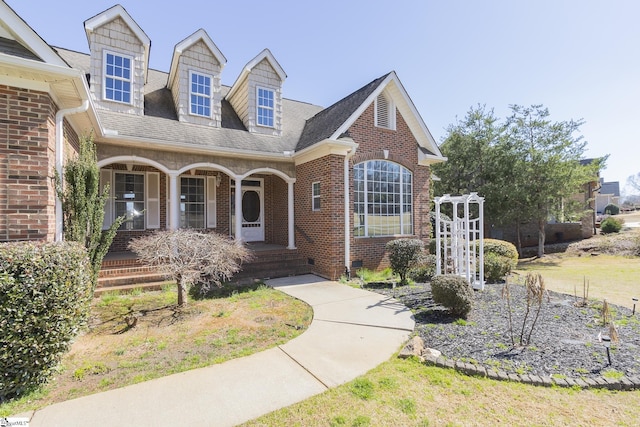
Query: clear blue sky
{"x": 580, "y": 58}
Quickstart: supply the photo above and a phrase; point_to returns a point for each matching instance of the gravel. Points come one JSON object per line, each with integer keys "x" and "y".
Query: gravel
{"x": 565, "y": 340}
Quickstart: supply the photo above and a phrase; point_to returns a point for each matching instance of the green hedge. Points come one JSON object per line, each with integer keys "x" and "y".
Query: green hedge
{"x": 45, "y": 290}
{"x": 454, "y": 293}
{"x": 403, "y": 255}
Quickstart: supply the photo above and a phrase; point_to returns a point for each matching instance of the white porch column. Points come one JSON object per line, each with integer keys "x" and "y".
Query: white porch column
{"x": 290, "y": 217}
{"x": 174, "y": 202}
{"x": 238, "y": 207}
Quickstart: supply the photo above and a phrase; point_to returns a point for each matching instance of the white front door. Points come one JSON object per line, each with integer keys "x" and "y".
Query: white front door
{"x": 252, "y": 210}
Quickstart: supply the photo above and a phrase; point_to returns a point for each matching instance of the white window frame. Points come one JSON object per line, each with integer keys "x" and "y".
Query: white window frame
{"x": 315, "y": 197}
{"x": 204, "y": 202}
{"x": 272, "y": 109}
{"x": 124, "y": 226}
{"x": 105, "y": 76}
{"x": 200, "y": 95}
{"x": 368, "y": 229}
{"x": 390, "y": 114}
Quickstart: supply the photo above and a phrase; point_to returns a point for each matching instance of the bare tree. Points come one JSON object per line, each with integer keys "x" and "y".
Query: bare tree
{"x": 191, "y": 257}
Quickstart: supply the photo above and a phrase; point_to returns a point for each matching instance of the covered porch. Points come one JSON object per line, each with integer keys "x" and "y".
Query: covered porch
{"x": 155, "y": 194}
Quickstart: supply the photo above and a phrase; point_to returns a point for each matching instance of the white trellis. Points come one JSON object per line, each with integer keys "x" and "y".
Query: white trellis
{"x": 458, "y": 239}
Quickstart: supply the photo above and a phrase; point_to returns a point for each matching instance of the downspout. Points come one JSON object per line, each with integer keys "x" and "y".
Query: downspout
{"x": 347, "y": 222}
{"x": 60, "y": 115}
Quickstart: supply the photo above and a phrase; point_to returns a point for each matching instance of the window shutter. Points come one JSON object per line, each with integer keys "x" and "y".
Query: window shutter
{"x": 211, "y": 201}
{"x": 153, "y": 200}
{"x": 105, "y": 179}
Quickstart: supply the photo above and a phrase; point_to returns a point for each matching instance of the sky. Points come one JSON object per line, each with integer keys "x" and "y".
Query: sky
{"x": 578, "y": 58}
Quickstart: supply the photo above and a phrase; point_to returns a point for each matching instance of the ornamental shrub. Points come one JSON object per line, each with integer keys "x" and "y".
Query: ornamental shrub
{"x": 45, "y": 290}
{"x": 424, "y": 268}
{"x": 500, "y": 258}
{"x": 611, "y": 209}
{"x": 496, "y": 267}
{"x": 611, "y": 225}
{"x": 454, "y": 293}
{"x": 403, "y": 255}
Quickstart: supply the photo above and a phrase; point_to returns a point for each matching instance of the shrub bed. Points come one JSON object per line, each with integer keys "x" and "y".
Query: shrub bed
{"x": 45, "y": 291}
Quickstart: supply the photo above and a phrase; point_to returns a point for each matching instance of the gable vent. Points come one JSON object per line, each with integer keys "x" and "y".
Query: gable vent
{"x": 384, "y": 112}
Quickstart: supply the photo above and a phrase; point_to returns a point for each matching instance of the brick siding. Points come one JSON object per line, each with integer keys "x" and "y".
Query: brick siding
{"x": 27, "y": 164}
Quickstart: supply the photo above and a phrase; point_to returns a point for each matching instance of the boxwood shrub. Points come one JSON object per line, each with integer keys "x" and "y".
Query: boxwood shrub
{"x": 500, "y": 258}
{"x": 45, "y": 290}
{"x": 454, "y": 293}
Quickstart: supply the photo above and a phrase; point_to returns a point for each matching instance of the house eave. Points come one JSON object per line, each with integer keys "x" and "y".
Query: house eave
{"x": 343, "y": 147}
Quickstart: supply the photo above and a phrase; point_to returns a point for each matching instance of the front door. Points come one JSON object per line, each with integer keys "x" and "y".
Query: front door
{"x": 252, "y": 210}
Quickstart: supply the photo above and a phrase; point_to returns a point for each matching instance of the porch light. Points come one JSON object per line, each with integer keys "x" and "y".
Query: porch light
{"x": 218, "y": 179}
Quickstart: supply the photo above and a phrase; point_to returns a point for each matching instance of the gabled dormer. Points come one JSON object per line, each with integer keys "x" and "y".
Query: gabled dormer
{"x": 194, "y": 80}
{"x": 257, "y": 95}
{"x": 119, "y": 61}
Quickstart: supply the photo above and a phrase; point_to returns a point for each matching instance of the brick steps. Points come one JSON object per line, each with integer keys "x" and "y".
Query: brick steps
{"x": 151, "y": 286}
{"x": 123, "y": 272}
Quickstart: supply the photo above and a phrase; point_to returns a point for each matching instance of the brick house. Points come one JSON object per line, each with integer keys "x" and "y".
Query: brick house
{"x": 334, "y": 184}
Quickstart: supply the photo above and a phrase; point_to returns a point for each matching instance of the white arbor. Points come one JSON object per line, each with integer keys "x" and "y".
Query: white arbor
{"x": 459, "y": 241}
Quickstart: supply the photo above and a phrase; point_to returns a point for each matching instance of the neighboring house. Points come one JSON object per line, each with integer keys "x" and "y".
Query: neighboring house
{"x": 609, "y": 194}
{"x": 179, "y": 149}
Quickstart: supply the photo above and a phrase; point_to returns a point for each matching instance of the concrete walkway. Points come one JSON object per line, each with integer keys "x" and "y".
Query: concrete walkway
{"x": 352, "y": 332}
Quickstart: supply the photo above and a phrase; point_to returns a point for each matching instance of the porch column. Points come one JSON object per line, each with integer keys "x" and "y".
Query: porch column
{"x": 238, "y": 203}
{"x": 290, "y": 218}
{"x": 174, "y": 202}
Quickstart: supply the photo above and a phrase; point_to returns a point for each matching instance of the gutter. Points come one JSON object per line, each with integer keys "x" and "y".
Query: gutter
{"x": 60, "y": 115}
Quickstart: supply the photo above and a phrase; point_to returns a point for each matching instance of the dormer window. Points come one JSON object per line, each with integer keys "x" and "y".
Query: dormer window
{"x": 265, "y": 107}
{"x": 117, "y": 77}
{"x": 200, "y": 94}
{"x": 385, "y": 112}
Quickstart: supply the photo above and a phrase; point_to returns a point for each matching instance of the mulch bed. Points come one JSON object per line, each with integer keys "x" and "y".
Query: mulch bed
{"x": 564, "y": 342}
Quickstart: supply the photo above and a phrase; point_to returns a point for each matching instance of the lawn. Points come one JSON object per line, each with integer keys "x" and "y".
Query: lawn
{"x": 166, "y": 339}
{"x": 612, "y": 277}
{"x": 408, "y": 393}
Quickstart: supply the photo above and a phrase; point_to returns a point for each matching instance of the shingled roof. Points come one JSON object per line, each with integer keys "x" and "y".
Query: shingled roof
{"x": 326, "y": 122}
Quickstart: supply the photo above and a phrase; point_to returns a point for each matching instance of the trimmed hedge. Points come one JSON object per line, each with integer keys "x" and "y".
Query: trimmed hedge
{"x": 403, "y": 255}
{"x": 45, "y": 290}
{"x": 611, "y": 209}
{"x": 454, "y": 293}
{"x": 500, "y": 258}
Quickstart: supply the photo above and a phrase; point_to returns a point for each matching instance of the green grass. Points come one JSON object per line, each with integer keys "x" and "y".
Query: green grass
{"x": 612, "y": 277}
{"x": 430, "y": 396}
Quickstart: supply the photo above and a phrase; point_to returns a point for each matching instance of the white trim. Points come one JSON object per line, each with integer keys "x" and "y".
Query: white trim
{"x": 404, "y": 105}
{"x": 25, "y": 35}
{"x": 391, "y": 112}
{"x": 315, "y": 197}
{"x": 265, "y": 54}
{"x": 185, "y": 44}
{"x": 210, "y": 97}
{"x": 211, "y": 196}
{"x": 106, "y": 52}
{"x": 272, "y": 109}
{"x": 152, "y": 218}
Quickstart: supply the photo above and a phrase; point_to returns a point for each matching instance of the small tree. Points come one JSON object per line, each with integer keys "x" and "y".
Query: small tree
{"x": 83, "y": 206}
{"x": 191, "y": 257}
{"x": 403, "y": 256}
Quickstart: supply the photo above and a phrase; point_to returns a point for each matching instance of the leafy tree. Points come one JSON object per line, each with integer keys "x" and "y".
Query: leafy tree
{"x": 545, "y": 164}
{"x": 83, "y": 205}
{"x": 191, "y": 257}
{"x": 526, "y": 168}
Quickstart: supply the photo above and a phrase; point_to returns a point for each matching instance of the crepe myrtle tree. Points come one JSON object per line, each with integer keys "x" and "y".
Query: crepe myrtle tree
{"x": 191, "y": 257}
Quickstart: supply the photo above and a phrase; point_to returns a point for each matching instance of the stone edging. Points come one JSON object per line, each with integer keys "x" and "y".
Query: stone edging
{"x": 624, "y": 383}
{"x": 415, "y": 348}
